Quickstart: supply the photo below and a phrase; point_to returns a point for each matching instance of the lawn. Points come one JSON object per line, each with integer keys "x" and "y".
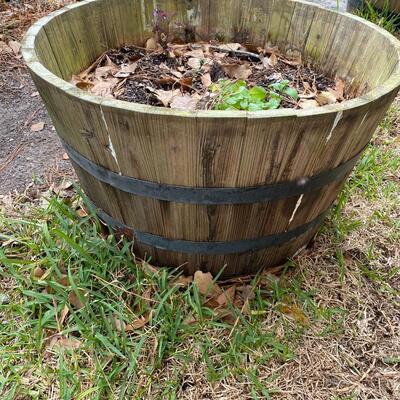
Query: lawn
{"x": 82, "y": 318}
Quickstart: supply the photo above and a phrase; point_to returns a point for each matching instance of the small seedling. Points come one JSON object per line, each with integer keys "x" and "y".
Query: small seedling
{"x": 237, "y": 96}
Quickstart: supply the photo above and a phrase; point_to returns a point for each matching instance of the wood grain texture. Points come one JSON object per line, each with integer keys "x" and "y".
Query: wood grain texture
{"x": 214, "y": 148}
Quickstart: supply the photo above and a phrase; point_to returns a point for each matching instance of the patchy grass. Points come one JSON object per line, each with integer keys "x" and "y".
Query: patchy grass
{"x": 81, "y": 318}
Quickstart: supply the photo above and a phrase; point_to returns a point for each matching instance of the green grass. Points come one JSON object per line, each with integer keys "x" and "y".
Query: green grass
{"x": 78, "y": 256}
{"x": 384, "y": 18}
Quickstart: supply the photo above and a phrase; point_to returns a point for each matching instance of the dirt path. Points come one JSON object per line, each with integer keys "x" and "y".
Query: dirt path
{"x": 25, "y": 155}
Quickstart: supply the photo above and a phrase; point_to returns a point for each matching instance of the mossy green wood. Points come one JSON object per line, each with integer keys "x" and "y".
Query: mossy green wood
{"x": 214, "y": 149}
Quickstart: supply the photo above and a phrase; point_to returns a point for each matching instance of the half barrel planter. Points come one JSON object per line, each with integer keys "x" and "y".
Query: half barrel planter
{"x": 213, "y": 189}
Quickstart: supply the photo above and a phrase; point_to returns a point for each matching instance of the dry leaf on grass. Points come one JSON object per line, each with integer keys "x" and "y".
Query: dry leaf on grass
{"x": 64, "y": 314}
{"x": 325, "y": 98}
{"x": 81, "y": 213}
{"x": 184, "y": 102}
{"x": 206, "y": 285}
{"x": 38, "y": 272}
{"x": 137, "y": 324}
{"x": 227, "y": 297}
{"x": 237, "y": 71}
{"x": 64, "y": 342}
{"x": 183, "y": 281}
{"x": 37, "y": 127}
{"x": 295, "y": 312}
{"x": 75, "y": 300}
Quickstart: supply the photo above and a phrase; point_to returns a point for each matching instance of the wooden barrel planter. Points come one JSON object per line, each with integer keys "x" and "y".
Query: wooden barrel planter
{"x": 208, "y": 189}
{"x": 391, "y": 5}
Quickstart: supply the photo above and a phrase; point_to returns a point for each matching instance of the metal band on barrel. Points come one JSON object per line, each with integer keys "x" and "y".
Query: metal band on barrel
{"x": 212, "y": 248}
{"x": 210, "y": 195}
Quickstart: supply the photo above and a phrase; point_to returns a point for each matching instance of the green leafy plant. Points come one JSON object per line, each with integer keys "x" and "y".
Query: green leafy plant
{"x": 237, "y": 96}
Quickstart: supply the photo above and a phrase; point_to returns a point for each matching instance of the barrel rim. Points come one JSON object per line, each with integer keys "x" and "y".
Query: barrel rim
{"x": 28, "y": 51}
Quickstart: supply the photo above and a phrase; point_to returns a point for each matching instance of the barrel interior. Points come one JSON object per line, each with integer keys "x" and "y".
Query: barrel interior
{"x": 73, "y": 40}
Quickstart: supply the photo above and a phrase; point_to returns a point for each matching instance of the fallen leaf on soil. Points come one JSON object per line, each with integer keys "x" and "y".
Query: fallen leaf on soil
{"x": 65, "y": 156}
{"x": 14, "y": 46}
{"x": 131, "y": 68}
{"x": 237, "y": 71}
{"x": 80, "y": 83}
{"x": 338, "y": 92}
{"x": 103, "y": 72}
{"x": 38, "y": 272}
{"x": 184, "y": 102}
{"x": 137, "y": 324}
{"x": 64, "y": 281}
{"x": 194, "y": 63}
{"x": 104, "y": 88}
{"x": 206, "y": 80}
{"x": 230, "y": 46}
{"x": 325, "y": 98}
{"x": 166, "y": 96}
{"x": 152, "y": 44}
{"x": 119, "y": 324}
{"x": 206, "y": 285}
{"x": 227, "y": 297}
{"x": 197, "y": 53}
{"x": 272, "y": 60}
{"x": 307, "y": 104}
{"x": 37, "y": 127}
{"x": 4, "y": 48}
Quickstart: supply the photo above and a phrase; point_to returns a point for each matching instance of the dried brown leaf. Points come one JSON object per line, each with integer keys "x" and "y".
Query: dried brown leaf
{"x": 338, "y": 92}
{"x": 14, "y": 46}
{"x": 325, "y": 98}
{"x": 38, "y": 272}
{"x": 65, "y": 156}
{"x": 230, "y": 46}
{"x": 295, "y": 312}
{"x": 206, "y": 80}
{"x": 194, "y": 63}
{"x": 152, "y": 44}
{"x": 183, "y": 281}
{"x": 64, "y": 342}
{"x": 196, "y": 53}
{"x": 166, "y": 96}
{"x": 37, "y": 127}
{"x": 206, "y": 285}
{"x": 137, "y": 324}
{"x": 104, "y": 88}
{"x": 64, "y": 313}
{"x": 184, "y": 102}
{"x": 308, "y": 104}
{"x": 75, "y": 300}
{"x": 237, "y": 71}
{"x": 227, "y": 297}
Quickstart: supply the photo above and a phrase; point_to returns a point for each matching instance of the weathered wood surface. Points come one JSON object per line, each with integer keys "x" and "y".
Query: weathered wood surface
{"x": 214, "y": 148}
{"x": 392, "y": 5}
